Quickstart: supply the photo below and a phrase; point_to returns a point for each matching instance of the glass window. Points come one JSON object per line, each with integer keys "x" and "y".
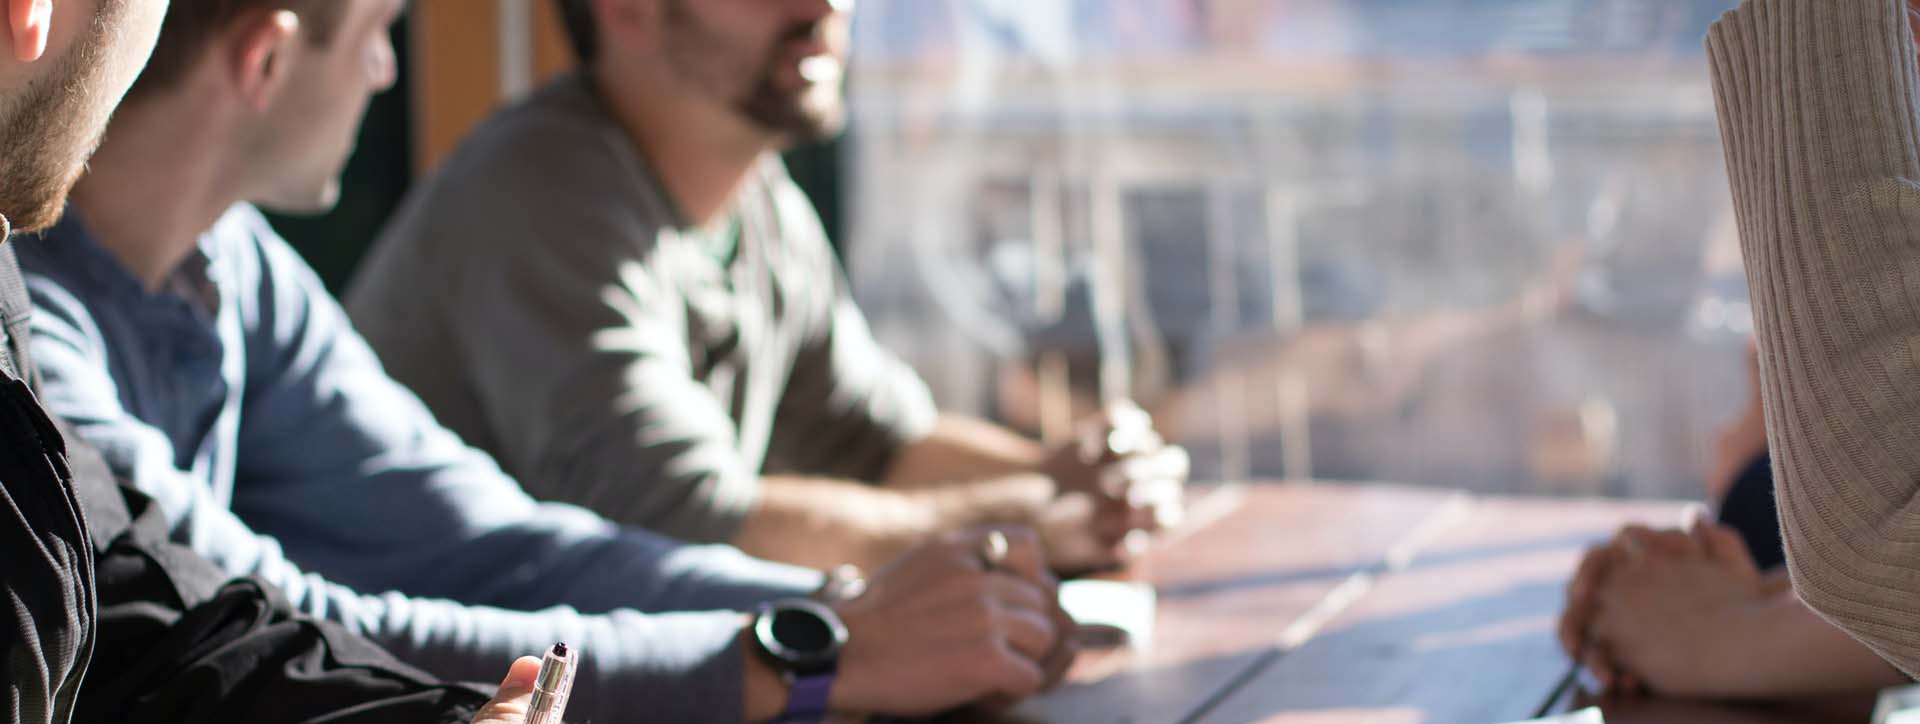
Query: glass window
{"x": 1473, "y": 243}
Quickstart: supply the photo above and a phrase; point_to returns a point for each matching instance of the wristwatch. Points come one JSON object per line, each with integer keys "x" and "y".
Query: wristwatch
{"x": 801, "y": 638}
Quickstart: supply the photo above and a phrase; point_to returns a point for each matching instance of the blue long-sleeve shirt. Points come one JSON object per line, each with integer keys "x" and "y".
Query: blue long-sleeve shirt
{"x": 240, "y": 398}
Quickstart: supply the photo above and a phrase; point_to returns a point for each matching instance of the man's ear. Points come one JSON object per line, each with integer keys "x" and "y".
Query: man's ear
{"x": 259, "y": 55}
{"x": 30, "y": 21}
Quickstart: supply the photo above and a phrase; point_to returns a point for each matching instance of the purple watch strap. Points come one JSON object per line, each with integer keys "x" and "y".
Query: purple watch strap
{"x": 807, "y": 698}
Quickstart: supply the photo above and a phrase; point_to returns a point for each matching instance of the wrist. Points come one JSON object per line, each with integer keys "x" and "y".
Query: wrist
{"x": 798, "y": 642}
{"x": 1728, "y": 668}
{"x": 765, "y": 689}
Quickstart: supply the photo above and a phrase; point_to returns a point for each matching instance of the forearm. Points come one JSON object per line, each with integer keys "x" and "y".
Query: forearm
{"x": 823, "y": 523}
{"x": 963, "y": 449}
{"x": 765, "y": 690}
{"x": 635, "y": 569}
{"x": 557, "y": 555}
{"x": 1780, "y": 649}
{"x": 680, "y": 666}
{"x": 1817, "y": 105}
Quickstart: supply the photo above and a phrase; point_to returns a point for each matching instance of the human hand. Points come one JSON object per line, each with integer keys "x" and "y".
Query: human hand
{"x": 1117, "y": 475}
{"x": 944, "y": 627}
{"x": 1583, "y": 596}
{"x": 509, "y": 704}
{"x": 1653, "y": 609}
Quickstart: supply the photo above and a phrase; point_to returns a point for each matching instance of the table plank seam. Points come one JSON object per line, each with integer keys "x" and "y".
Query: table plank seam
{"x": 1397, "y": 559}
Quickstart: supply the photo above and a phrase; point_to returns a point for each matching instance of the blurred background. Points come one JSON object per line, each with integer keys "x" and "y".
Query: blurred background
{"x": 1482, "y": 244}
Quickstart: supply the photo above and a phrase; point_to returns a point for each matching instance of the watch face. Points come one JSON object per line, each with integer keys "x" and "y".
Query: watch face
{"x": 802, "y": 634}
{"x": 801, "y": 631}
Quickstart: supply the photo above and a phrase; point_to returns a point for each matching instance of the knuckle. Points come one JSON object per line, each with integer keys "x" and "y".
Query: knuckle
{"x": 988, "y": 619}
{"x": 971, "y": 583}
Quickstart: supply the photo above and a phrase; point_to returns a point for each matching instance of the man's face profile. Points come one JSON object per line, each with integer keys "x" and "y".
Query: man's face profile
{"x": 314, "y": 122}
{"x": 51, "y": 124}
{"x": 779, "y": 69}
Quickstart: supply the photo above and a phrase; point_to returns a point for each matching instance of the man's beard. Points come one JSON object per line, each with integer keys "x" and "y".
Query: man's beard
{"x": 804, "y": 118}
{"x": 813, "y": 114}
{"x": 50, "y": 128}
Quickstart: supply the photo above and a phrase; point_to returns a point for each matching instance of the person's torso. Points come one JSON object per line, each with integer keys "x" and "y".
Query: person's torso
{"x": 177, "y": 356}
{"x": 747, "y": 305}
{"x": 44, "y": 538}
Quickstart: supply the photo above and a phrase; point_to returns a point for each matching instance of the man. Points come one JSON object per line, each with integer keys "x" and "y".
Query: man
{"x": 92, "y": 50}
{"x": 57, "y": 505}
{"x": 651, "y": 323}
{"x": 190, "y": 343}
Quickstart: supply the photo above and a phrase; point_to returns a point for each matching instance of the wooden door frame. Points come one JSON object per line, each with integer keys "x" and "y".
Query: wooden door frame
{"x": 470, "y": 56}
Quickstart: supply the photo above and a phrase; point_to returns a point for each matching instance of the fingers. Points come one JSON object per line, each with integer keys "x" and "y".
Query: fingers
{"x": 1143, "y": 492}
{"x": 1147, "y": 476}
{"x": 1120, "y": 430}
{"x": 1026, "y": 556}
{"x": 1011, "y": 591}
{"x": 1058, "y": 663}
{"x": 1636, "y": 542}
{"x": 1028, "y": 631}
{"x": 1014, "y": 674}
{"x": 1129, "y": 429}
{"x": 1066, "y": 646}
{"x": 509, "y": 704}
{"x": 1725, "y": 547}
{"x": 1582, "y": 597}
{"x": 1598, "y": 661}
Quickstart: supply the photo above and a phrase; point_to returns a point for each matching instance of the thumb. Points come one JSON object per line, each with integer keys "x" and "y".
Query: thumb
{"x": 509, "y": 705}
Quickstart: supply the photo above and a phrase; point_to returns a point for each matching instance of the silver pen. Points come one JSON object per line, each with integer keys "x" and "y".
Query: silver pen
{"x": 552, "y": 686}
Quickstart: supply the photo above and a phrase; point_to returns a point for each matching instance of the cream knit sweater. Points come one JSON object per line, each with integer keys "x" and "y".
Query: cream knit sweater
{"x": 1817, "y": 108}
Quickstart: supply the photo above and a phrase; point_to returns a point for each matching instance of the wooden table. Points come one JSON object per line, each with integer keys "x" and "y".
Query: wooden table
{"x": 1303, "y": 603}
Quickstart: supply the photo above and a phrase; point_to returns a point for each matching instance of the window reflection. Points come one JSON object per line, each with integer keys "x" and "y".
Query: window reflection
{"x": 1472, "y": 243}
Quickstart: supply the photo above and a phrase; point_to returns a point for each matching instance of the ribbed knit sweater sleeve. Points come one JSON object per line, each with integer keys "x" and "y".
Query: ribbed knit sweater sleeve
{"x": 1817, "y": 112}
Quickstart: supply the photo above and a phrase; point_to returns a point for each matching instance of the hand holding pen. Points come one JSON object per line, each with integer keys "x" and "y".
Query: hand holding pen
{"x": 534, "y": 692}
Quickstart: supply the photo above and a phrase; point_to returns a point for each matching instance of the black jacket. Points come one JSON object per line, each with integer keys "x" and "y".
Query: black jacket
{"x": 95, "y": 588}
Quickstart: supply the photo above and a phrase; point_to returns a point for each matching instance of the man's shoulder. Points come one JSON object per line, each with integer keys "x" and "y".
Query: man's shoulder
{"x": 260, "y": 267}
{"x": 560, "y": 132}
{"x": 553, "y": 168}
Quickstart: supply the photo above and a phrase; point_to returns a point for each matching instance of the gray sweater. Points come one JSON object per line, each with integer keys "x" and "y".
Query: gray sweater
{"x": 544, "y": 295}
{"x": 1817, "y": 106}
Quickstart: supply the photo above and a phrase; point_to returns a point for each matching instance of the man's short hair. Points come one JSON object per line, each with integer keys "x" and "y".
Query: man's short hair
{"x": 577, "y": 17}
{"x": 191, "y": 24}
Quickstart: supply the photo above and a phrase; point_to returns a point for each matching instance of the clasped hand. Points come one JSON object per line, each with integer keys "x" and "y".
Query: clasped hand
{"x": 1651, "y": 611}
